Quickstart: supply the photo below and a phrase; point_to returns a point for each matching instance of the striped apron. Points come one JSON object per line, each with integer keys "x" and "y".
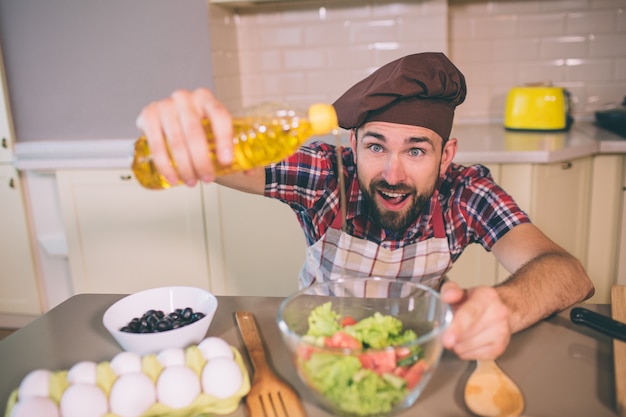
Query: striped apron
{"x": 338, "y": 254}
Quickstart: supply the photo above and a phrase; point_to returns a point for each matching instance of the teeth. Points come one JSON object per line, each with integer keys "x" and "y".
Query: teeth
{"x": 393, "y": 195}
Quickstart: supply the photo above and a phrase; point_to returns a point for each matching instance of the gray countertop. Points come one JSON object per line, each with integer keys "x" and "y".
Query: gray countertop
{"x": 562, "y": 369}
{"x": 491, "y": 143}
{"x": 478, "y": 143}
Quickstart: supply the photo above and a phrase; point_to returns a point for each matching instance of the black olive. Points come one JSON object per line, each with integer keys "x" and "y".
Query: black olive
{"x": 163, "y": 325}
{"x": 187, "y": 314}
{"x": 153, "y": 321}
{"x": 196, "y": 316}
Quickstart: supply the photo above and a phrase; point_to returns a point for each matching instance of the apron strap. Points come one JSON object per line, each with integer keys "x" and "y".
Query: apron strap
{"x": 337, "y": 221}
{"x": 438, "y": 227}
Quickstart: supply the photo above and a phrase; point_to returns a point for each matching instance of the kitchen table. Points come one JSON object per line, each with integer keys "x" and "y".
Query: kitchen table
{"x": 562, "y": 368}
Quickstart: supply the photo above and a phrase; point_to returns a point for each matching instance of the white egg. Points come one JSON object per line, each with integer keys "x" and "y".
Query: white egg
{"x": 132, "y": 394}
{"x": 214, "y": 347}
{"x": 177, "y": 386}
{"x": 221, "y": 377}
{"x": 82, "y": 373}
{"x": 83, "y": 400}
{"x": 171, "y": 356}
{"x": 35, "y": 384}
{"x": 126, "y": 362}
{"x": 35, "y": 406}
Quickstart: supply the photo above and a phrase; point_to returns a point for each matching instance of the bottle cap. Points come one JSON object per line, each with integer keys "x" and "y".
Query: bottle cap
{"x": 323, "y": 118}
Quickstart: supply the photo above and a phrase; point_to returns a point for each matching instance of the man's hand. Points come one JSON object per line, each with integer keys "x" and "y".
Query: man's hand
{"x": 173, "y": 128}
{"x": 480, "y": 328}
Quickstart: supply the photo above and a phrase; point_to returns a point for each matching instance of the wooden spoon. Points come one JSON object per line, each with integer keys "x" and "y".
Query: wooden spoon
{"x": 269, "y": 395}
{"x": 489, "y": 392}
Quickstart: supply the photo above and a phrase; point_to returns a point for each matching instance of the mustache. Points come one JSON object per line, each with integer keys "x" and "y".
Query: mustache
{"x": 398, "y": 188}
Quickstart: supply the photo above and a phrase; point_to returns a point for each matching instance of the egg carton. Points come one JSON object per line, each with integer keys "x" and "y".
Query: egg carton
{"x": 210, "y": 400}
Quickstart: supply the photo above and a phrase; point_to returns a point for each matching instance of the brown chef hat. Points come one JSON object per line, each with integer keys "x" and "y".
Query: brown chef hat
{"x": 420, "y": 90}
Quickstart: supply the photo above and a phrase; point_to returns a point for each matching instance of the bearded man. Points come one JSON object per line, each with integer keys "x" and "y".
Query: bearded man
{"x": 410, "y": 211}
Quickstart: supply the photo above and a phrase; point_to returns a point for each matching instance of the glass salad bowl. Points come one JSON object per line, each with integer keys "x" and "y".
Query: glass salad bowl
{"x": 364, "y": 346}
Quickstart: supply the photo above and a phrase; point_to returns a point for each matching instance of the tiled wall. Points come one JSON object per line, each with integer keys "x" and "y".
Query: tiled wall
{"x": 312, "y": 51}
{"x": 577, "y": 44}
{"x": 307, "y": 52}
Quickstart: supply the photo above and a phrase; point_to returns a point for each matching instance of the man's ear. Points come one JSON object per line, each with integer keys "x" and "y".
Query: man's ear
{"x": 353, "y": 143}
{"x": 447, "y": 155}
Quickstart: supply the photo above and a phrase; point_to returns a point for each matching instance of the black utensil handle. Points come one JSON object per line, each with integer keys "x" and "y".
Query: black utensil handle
{"x": 599, "y": 322}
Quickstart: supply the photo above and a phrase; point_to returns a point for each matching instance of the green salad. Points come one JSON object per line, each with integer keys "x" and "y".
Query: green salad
{"x": 372, "y": 380}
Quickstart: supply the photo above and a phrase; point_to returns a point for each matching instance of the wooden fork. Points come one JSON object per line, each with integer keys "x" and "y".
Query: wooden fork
{"x": 269, "y": 396}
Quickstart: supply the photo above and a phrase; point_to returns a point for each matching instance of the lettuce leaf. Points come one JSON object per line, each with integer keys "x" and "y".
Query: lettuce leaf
{"x": 323, "y": 321}
{"x": 356, "y": 390}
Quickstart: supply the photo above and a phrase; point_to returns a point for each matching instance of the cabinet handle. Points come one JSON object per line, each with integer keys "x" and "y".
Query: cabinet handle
{"x": 126, "y": 177}
{"x": 566, "y": 165}
{"x": 4, "y": 143}
{"x": 11, "y": 183}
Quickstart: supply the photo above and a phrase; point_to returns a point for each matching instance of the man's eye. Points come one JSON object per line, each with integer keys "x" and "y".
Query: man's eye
{"x": 376, "y": 148}
{"x": 416, "y": 152}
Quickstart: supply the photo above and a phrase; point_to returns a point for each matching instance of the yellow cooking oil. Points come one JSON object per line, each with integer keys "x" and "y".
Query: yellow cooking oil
{"x": 259, "y": 140}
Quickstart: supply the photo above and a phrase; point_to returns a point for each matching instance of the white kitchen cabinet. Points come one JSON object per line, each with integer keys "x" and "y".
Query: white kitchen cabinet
{"x": 557, "y": 198}
{"x": 122, "y": 238}
{"x": 6, "y": 126}
{"x": 620, "y": 278}
{"x": 5, "y": 150}
{"x": 476, "y": 266}
{"x": 19, "y": 293}
{"x": 262, "y": 244}
{"x": 605, "y": 225}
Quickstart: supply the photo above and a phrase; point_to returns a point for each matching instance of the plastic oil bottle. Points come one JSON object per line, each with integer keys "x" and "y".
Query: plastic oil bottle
{"x": 266, "y": 134}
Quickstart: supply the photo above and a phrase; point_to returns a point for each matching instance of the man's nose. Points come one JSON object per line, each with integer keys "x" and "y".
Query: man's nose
{"x": 394, "y": 170}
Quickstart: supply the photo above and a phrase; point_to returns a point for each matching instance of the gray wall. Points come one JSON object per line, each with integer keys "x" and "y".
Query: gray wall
{"x": 83, "y": 69}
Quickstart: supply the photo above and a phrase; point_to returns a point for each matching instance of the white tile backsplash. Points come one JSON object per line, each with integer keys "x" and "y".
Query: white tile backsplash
{"x": 607, "y": 45}
{"x": 563, "y": 47}
{"x": 574, "y": 44}
{"x": 544, "y": 24}
{"x": 515, "y": 49}
{"x": 619, "y": 71}
{"x": 592, "y": 21}
{"x": 304, "y": 52}
{"x": 494, "y": 27}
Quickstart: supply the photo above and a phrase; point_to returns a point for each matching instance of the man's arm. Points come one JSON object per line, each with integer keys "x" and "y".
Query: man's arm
{"x": 545, "y": 278}
{"x": 252, "y": 181}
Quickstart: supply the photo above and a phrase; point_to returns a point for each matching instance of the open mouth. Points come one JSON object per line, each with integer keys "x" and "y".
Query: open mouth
{"x": 393, "y": 199}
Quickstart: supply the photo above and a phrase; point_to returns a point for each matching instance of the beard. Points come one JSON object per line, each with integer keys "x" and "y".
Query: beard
{"x": 390, "y": 219}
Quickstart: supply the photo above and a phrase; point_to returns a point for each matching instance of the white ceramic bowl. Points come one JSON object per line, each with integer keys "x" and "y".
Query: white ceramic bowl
{"x": 166, "y": 299}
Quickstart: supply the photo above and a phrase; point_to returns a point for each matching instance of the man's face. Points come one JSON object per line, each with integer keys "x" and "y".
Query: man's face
{"x": 398, "y": 167}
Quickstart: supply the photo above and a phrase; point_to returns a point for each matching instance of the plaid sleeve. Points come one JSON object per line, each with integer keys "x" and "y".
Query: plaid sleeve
{"x": 301, "y": 178}
{"x": 480, "y": 211}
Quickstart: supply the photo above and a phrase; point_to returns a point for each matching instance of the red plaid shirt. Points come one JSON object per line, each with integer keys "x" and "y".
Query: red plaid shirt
{"x": 475, "y": 208}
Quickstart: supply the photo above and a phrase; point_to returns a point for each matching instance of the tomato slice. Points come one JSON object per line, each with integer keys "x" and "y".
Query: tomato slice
{"x": 342, "y": 340}
{"x": 347, "y": 321}
{"x": 304, "y": 352}
{"x": 380, "y": 362}
{"x": 414, "y": 374}
{"x": 402, "y": 352}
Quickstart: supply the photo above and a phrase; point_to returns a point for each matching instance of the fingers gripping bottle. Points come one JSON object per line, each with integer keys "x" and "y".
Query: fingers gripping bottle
{"x": 266, "y": 134}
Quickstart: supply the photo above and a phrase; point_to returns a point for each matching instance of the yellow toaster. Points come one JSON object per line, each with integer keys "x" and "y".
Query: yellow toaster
{"x": 537, "y": 108}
